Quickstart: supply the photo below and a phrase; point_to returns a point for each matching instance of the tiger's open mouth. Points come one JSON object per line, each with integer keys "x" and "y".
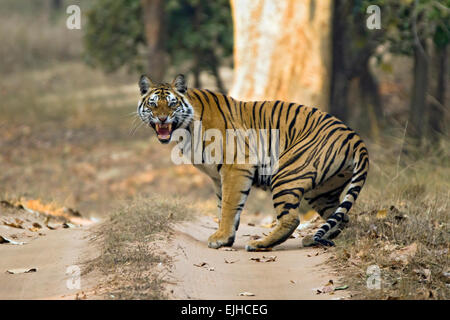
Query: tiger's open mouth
{"x": 164, "y": 132}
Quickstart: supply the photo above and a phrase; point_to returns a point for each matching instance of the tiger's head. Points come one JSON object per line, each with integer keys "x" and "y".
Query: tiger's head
{"x": 164, "y": 106}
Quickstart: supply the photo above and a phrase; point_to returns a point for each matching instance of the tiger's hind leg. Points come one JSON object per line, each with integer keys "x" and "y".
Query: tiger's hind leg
{"x": 325, "y": 200}
{"x": 287, "y": 221}
{"x": 286, "y": 199}
{"x": 358, "y": 178}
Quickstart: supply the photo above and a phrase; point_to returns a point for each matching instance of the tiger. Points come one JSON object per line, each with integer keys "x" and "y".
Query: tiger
{"x": 318, "y": 158}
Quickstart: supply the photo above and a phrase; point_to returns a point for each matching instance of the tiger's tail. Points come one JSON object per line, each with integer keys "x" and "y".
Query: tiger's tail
{"x": 360, "y": 170}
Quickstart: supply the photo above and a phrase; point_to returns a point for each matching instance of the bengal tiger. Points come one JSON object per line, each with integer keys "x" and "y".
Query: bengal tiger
{"x": 319, "y": 156}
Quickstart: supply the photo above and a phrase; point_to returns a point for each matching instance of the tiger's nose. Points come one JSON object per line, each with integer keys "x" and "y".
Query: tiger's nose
{"x": 162, "y": 119}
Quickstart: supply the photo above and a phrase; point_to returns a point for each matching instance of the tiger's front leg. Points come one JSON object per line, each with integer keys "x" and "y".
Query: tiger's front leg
{"x": 236, "y": 184}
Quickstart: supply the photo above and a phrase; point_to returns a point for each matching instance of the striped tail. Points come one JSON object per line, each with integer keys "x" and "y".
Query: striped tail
{"x": 331, "y": 226}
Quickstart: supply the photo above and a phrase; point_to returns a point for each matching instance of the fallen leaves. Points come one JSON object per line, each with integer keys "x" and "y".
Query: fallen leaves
{"x": 81, "y": 296}
{"x": 227, "y": 249}
{"x": 330, "y": 288}
{"x": 313, "y": 255}
{"x": 6, "y": 240}
{"x": 37, "y": 208}
{"x": 6, "y": 204}
{"x": 252, "y": 236}
{"x": 381, "y": 214}
{"x": 230, "y": 261}
{"x": 246, "y": 294}
{"x": 201, "y": 264}
{"x": 36, "y": 225}
{"x": 21, "y": 270}
{"x": 68, "y": 225}
{"x": 424, "y": 274}
{"x": 17, "y": 223}
{"x": 204, "y": 265}
{"x": 326, "y": 288}
{"x": 404, "y": 255}
{"x": 52, "y": 226}
{"x": 385, "y": 213}
{"x": 264, "y": 259}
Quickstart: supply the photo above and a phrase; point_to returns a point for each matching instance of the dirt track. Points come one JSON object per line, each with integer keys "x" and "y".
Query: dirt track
{"x": 51, "y": 255}
{"x": 294, "y": 274}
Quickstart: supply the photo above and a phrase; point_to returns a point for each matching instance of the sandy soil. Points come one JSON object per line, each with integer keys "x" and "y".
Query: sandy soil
{"x": 51, "y": 255}
{"x": 198, "y": 272}
{"x": 294, "y": 274}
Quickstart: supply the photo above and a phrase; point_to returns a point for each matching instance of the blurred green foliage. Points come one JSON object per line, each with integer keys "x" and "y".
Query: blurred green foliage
{"x": 198, "y": 26}
{"x": 421, "y": 29}
{"x": 404, "y": 22}
{"x": 198, "y": 34}
{"x": 114, "y": 34}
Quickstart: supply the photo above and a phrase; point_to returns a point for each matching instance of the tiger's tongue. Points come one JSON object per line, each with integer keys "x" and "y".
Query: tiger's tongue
{"x": 163, "y": 131}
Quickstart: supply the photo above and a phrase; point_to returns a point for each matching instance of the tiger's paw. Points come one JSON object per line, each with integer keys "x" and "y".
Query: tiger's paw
{"x": 309, "y": 241}
{"x": 325, "y": 242}
{"x": 220, "y": 239}
{"x": 256, "y": 245}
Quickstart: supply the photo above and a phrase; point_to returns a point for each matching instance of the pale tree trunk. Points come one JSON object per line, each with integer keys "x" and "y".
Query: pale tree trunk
{"x": 153, "y": 15}
{"x": 282, "y": 50}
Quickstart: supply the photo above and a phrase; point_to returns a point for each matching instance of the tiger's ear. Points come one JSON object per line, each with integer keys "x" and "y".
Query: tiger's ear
{"x": 144, "y": 84}
{"x": 180, "y": 83}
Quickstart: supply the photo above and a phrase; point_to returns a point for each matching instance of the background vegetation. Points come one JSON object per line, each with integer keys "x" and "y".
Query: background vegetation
{"x": 198, "y": 36}
{"x": 195, "y": 36}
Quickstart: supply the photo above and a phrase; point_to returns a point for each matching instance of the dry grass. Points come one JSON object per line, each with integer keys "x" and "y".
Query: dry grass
{"x": 400, "y": 224}
{"x": 130, "y": 261}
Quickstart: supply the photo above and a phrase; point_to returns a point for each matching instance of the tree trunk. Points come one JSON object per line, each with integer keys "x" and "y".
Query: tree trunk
{"x": 196, "y": 70}
{"x": 438, "y": 103}
{"x": 153, "y": 15}
{"x": 56, "y": 5}
{"x": 340, "y": 77}
{"x": 352, "y": 47}
{"x": 418, "y": 95}
{"x": 214, "y": 66}
{"x": 371, "y": 101}
{"x": 282, "y": 50}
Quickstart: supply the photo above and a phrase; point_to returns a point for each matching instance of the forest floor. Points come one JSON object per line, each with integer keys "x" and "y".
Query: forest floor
{"x": 82, "y": 186}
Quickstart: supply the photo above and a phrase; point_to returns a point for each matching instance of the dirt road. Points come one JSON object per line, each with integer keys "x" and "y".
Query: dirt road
{"x": 51, "y": 255}
{"x": 198, "y": 272}
{"x": 203, "y": 273}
